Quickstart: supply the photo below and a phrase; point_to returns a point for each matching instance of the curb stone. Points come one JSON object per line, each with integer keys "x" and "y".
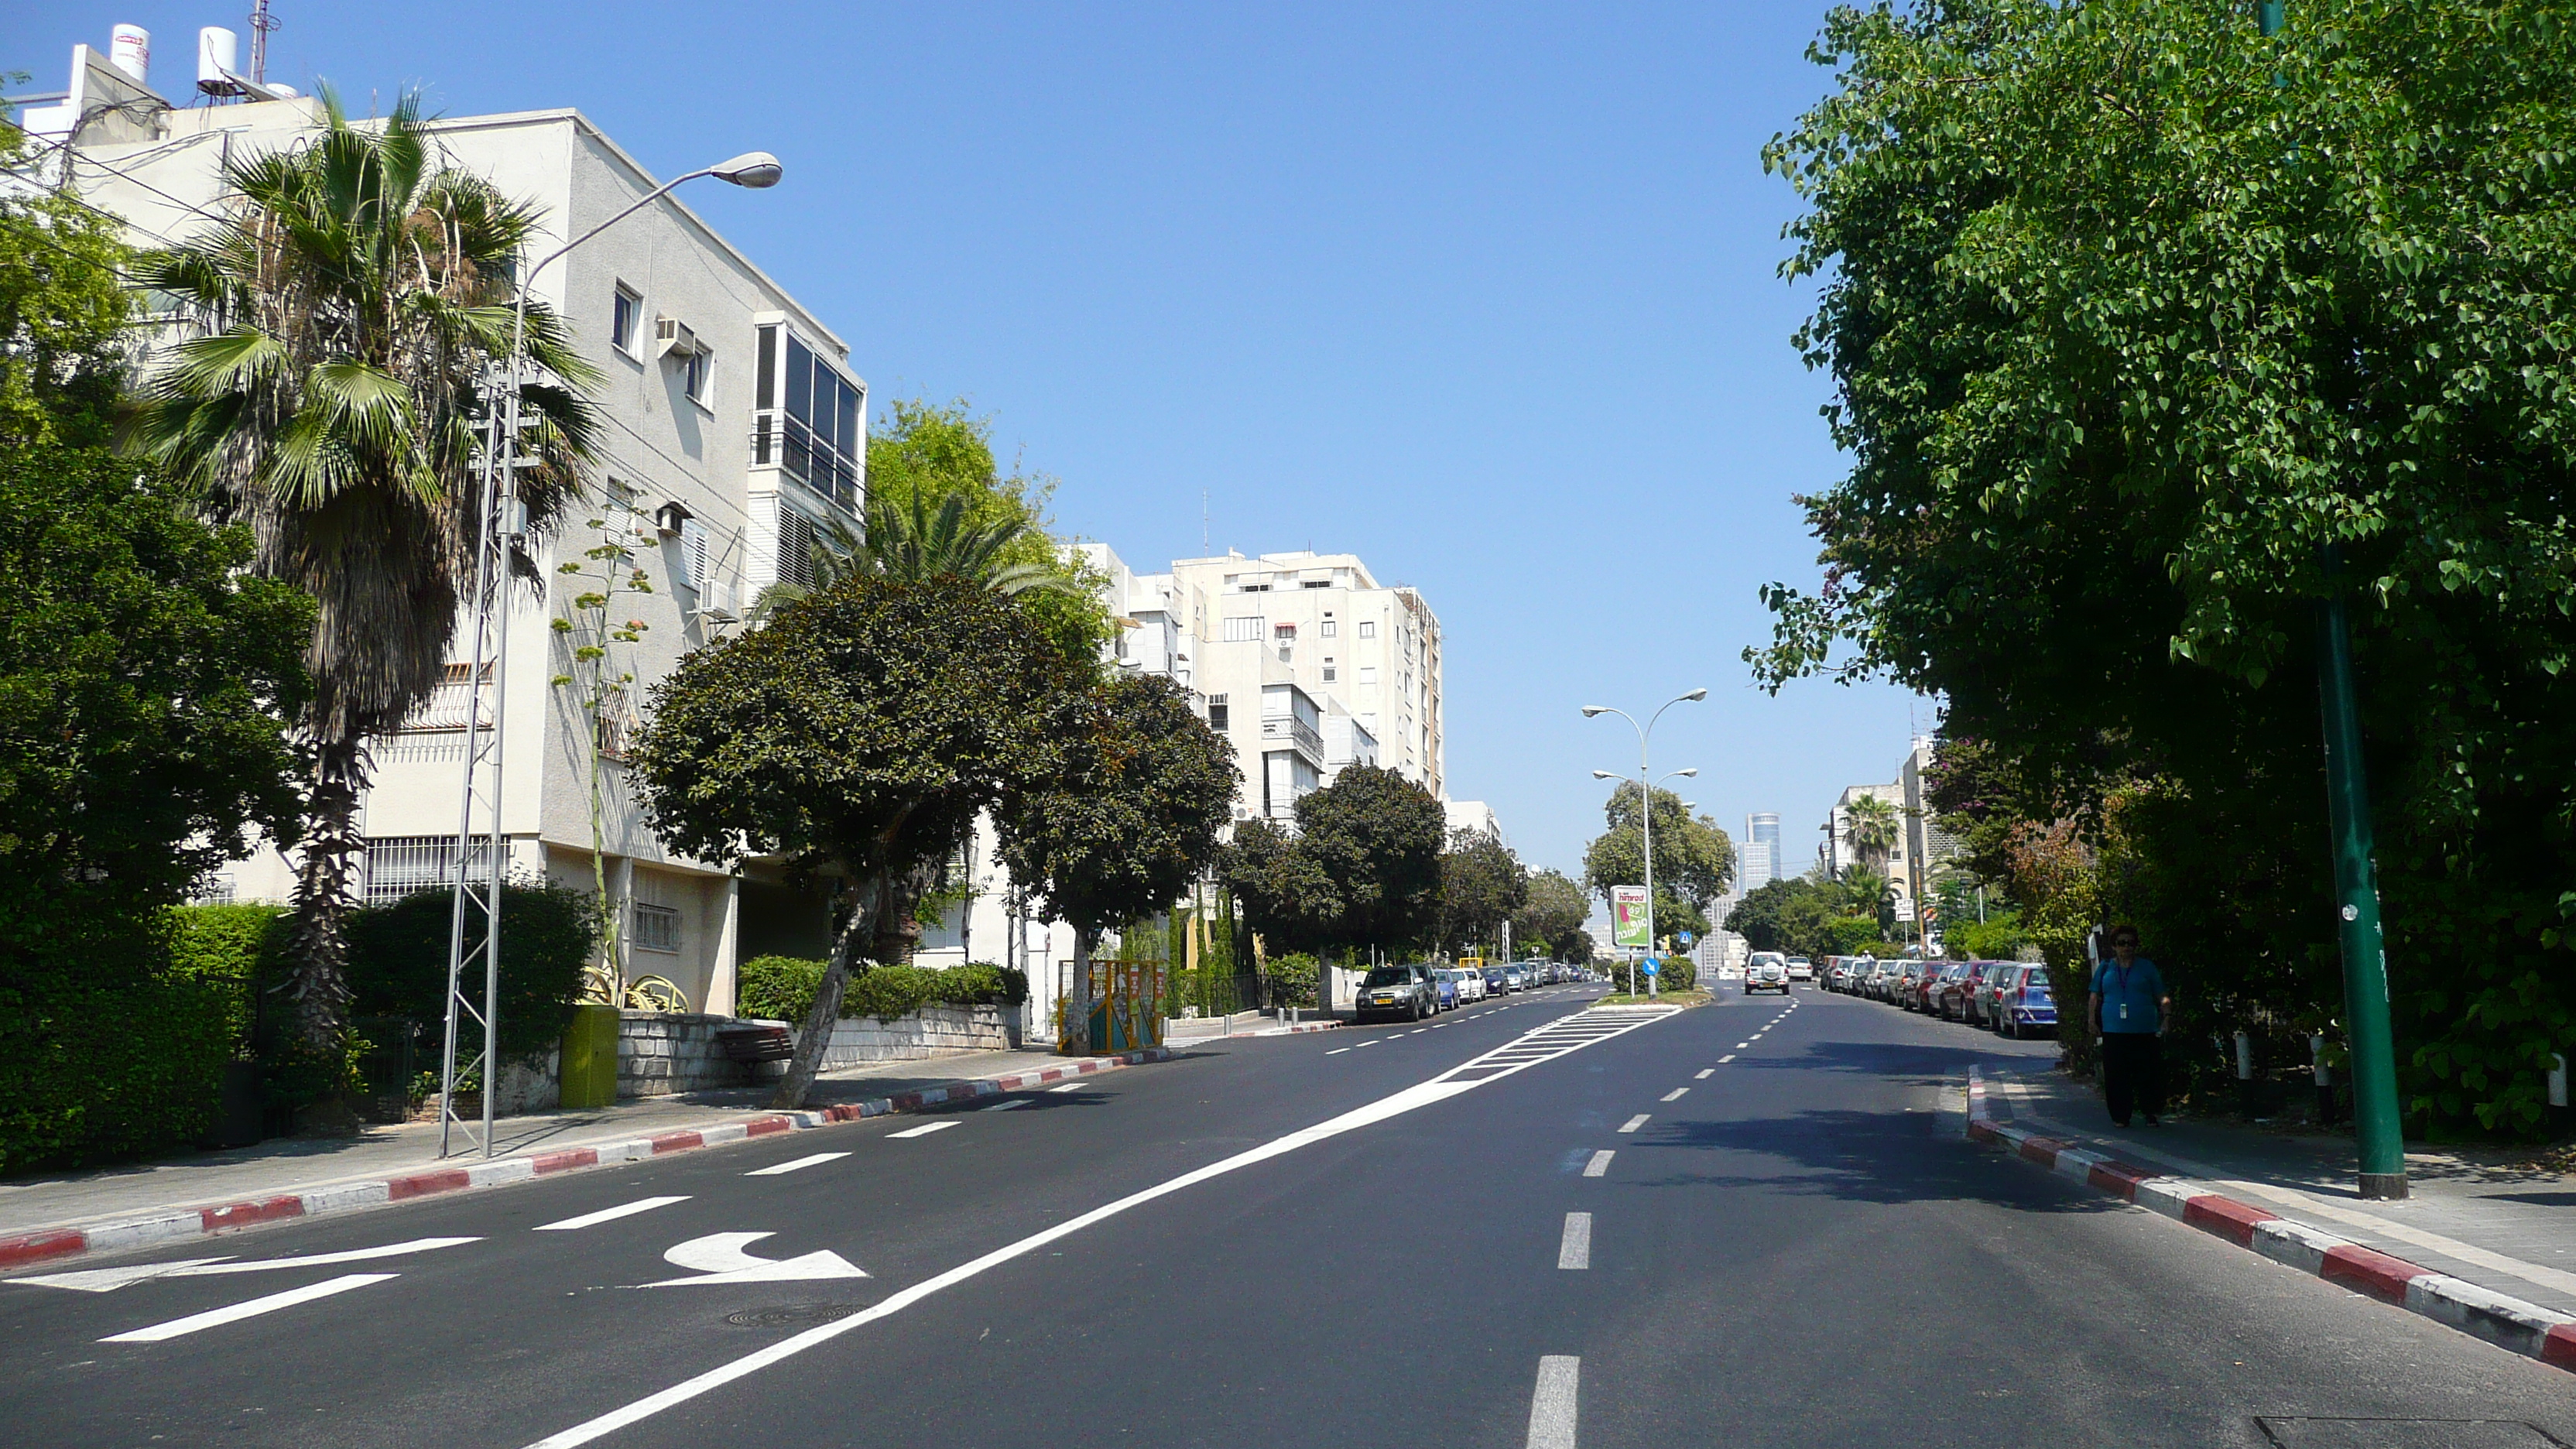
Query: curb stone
{"x": 45, "y": 1245}
{"x": 2508, "y": 1323}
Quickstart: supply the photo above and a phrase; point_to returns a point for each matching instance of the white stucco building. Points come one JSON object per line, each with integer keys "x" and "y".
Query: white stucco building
{"x": 732, "y": 429}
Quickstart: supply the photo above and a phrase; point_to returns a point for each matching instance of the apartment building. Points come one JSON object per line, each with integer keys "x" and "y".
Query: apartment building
{"x": 1921, "y": 846}
{"x": 1761, "y": 862}
{"x": 734, "y": 429}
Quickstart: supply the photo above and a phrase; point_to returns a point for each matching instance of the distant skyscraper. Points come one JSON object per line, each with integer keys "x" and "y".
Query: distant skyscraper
{"x": 1761, "y": 864}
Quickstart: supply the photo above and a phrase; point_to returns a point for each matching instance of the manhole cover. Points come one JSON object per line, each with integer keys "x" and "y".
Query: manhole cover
{"x": 793, "y": 1315}
{"x": 2304, "y": 1433}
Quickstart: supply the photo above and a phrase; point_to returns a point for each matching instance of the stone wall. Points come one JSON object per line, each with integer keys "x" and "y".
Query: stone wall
{"x": 933, "y": 1031}
{"x": 659, "y": 1053}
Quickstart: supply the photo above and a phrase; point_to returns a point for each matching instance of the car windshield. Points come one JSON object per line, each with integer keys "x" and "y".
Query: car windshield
{"x": 1388, "y": 976}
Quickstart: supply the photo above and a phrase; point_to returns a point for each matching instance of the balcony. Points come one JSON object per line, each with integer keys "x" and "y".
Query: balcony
{"x": 1307, "y": 740}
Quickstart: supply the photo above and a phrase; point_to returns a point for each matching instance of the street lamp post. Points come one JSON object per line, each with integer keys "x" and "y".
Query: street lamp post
{"x": 498, "y": 525}
{"x": 2377, "y": 1127}
{"x": 1645, "y": 802}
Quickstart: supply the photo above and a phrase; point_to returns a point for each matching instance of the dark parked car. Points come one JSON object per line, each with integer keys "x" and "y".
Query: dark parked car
{"x": 1497, "y": 981}
{"x": 1405, "y": 992}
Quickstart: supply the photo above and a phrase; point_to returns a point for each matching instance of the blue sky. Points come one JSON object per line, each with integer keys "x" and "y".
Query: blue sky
{"x": 1485, "y": 295}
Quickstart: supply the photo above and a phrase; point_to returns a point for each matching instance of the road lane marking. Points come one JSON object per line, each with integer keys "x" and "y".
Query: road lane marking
{"x": 1739, "y": 1046}
{"x": 1422, "y": 1094}
{"x": 1373, "y": 1041}
{"x": 1599, "y": 1164}
{"x": 1704, "y": 1074}
{"x": 216, "y": 1317}
{"x": 1633, "y": 1123}
{"x": 108, "y": 1280}
{"x": 924, "y": 1130}
{"x": 607, "y": 1215}
{"x": 1574, "y": 1250}
{"x": 1676, "y": 1094}
{"x": 719, "y": 1258}
{"x": 1011, "y": 1105}
{"x": 1722, "y": 1061}
{"x": 1337, "y": 1051}
{"x": 801, "y": 1163}
{"x": 1551, "y": 1422}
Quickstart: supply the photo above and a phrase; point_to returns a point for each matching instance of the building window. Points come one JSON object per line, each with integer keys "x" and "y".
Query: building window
{"x": 701, "y": 374}
{"x": 657, "y": 928}
{"x": 823, "y": 436}
{"x": 1368, "y": 628}
{"x": 795, "y": 547}
{"x": 1331, "y": 628}
{"x": 399, "y": 865}
{"x": 1316, "y": 584}
{"x": 1329, "y": 675}
{"x": 1216, "y": 712}
{"x": 1368, "y": 674}
{"x": 1241, "y": 631}
{"x": 1284, "y": 633}
{"x": 621, "y": 319}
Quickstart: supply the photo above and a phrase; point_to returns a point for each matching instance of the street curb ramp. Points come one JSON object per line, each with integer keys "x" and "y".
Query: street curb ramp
{"x": 45, "y": 1245}
{"x": 2508, "y": 1323}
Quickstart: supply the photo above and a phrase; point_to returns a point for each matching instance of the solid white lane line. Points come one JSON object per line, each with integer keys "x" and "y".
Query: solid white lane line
{"x": 1574, "y": 1250}
{"x": 1722, "y": 1061}
{"x": 1676, "y": 1094}
{"x": 1337, "y": 1051}
{"x": 924, "y": 1130}
{"x": 1551, "y": 1424}
{"x": 1704, "y": 1074}
{"x": 1633, "y": 1123}
{"x": 216, "y": 1317}
{"x": 782, "y": 1169}
{"x": 1077, "y": 1086}
{"x": 1421, "y": 1094}
{"x": 1599, "y": 1164}
{"x": 607, "y": 1215}
{"x": 1012, "y": 1105}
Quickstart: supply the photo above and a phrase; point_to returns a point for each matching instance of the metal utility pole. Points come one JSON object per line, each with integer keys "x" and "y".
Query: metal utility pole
{"x": 2377, "y": 1125}
{"x": 497, "y": 514}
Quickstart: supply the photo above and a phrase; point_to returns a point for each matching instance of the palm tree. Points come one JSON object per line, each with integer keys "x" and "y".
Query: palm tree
{"x": 908, "y": 542}
{"x": 352, "y": 311}
{"x": 1873, "y": 829}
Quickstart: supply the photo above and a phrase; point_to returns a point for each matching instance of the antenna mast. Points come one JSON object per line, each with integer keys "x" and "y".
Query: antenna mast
{"x": 261, "y": 23}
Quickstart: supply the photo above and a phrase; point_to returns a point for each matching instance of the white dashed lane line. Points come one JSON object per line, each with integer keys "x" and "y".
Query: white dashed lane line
{"x": 799, "y": 1164}
{"x": 1337, "y": 1051}
{"x": 1011, "y": 1105}
{"x": 924, "y": 1130}
{"x": 1067, "y": 1087}
{"x": 1730, "y": 1056}
{"x": 1676, "y": 1094}
{"x": 1552, "y": 1402}
{"x": 607, "y": 1215}
{"x": 1599, "y": 1164}
{"x": 1574, "y": 1249}
{"x": 1704, "y": 1074}
{"x": 1633, "y": 1123}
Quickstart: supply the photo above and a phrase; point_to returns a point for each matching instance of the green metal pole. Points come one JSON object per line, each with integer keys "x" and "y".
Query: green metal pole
{"x": 2365, "y": 951}
{"x": 2367, "y": 1032}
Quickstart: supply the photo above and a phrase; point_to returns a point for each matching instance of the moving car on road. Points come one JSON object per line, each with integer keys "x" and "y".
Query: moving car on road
{"x": 1404, "y": 993}
{"x": 1801, "y": 969}
{"x": 1770, "y": 975}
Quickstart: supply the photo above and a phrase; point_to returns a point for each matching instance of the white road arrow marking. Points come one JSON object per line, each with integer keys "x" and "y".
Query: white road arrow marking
{"x": 719, "y": 1258}
{"x": 108, "y": 1280}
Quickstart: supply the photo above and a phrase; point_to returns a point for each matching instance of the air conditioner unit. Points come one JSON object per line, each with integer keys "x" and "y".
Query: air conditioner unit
{"x": 672, "y": 338}
{"x": 719, "y": 602}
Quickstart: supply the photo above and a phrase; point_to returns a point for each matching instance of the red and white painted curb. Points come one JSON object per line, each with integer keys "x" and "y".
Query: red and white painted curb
{"x": 46, "y": 1245}
{"x": 2508, "y": 1323}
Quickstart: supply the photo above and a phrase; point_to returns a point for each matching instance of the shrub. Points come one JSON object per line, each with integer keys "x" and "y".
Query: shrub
{"x": 779, "y": 988}
{"x": 1676, "y": 973}
{"x": 398, "y": 961}
{"x": 1292, "y": 980}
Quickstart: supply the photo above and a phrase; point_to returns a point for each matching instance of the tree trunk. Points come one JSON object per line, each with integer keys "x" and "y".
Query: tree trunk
{"x": 1075, "y": 1039}
{"x": 317, "y": 979}
{"x": 826, "y": 1011}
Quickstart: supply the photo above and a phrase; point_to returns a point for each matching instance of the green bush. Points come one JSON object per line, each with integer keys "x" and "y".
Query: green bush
{"x": 1997, "y": 938}
{"x": 777, "y": 988}
{"x": 1676, "y": 973}
{"x": 1292, "y": 980}
{"x": 782, "y": 988}
{"x": 398, "y": 961}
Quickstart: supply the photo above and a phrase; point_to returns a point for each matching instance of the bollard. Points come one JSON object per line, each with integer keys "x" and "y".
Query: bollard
{"x": 2558, "y": 1092}
{"x": 2245, "y": 1074}
{"x": 2325, "y": 1079}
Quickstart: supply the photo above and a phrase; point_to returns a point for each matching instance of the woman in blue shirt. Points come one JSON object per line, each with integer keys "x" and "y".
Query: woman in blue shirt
{"x": 2129, "y": 1006}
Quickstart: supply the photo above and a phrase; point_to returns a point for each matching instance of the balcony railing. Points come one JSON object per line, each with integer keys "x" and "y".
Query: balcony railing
{"x": 1305, "y": 737}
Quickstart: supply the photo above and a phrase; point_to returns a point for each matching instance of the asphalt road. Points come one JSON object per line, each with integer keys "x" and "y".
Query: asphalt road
{"x": 1354, "y": 1237}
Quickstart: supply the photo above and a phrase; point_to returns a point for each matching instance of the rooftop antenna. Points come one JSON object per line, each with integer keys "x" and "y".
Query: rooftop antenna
{"x": 1203, "y": 524}
{"x": 261, "y": 23}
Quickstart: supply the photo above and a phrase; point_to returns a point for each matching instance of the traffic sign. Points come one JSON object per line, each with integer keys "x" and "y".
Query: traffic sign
{"x": 1686, "y": 937}
{"x": 1651, "y": 968}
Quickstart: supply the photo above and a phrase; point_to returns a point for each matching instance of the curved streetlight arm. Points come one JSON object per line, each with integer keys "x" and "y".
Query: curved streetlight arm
{"x": 1646, "y": 791}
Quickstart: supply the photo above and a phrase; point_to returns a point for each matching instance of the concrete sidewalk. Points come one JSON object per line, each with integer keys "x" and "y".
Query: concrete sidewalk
{"x": 293, "y": 1167}
{"x": 2507, "y": 1228}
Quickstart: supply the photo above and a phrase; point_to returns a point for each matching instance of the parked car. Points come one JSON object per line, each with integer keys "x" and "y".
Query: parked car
{"x": 1768, "y": 975}
{"x": 2025, "y": 1003}
{"x": 1446, "y": 978}
{"x": 1907, "y": 990}
{"x": 1953, "y": 989}
{"x": 1971, "y": 987}
{"x": 1400, "y": 992}
{"x": 1801, "y": 969}
{"x": 1475, "y": 982}
{"x": 1497, "y": 981}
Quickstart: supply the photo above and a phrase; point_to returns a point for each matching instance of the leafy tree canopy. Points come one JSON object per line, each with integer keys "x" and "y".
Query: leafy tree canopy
{"x": 63, "y": 312}
{"x": 1482, "y": 883}
{"x": 2147, "y": 332}
{"x": 1553, "y": 915}
{"x": 1694, "y": 857}
{"x": 1362, "y": 869}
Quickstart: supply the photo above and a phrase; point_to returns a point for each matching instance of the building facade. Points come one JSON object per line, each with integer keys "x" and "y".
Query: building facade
{"x": 1761, "y": 862}
{"x": 733, "y": 430}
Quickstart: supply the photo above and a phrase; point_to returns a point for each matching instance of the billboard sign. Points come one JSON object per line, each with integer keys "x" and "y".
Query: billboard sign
{"x": 1628, "y": 916}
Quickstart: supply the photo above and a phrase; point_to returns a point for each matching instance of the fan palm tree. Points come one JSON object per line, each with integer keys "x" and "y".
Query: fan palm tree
{"x": 352, "y": 312}
{"x": 1873, "y": 828}
{"x": 905, "y": 540}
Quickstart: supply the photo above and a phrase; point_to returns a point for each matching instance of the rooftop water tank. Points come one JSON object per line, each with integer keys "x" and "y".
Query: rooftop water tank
{"x": 129, "y": 49}
{"x": 218, "y": 55}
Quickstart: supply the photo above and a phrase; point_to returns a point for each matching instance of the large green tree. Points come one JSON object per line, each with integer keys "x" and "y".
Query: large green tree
{"x": 1127, "y": 817}
{"x": 2148, "y": 332}
{"x": 1362, "y": 868}
{"x": 63, "y": 312}
{"x": 857, "y": 735}
{"x": 1482, "y": 883}
{"x": 1694, "y": 858}
{"x": 1552, "y": 915}
{"x": 349, "y": 311}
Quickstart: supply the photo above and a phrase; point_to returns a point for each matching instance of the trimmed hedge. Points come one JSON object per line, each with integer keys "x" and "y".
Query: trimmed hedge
{"x": 398, "y": 961}
{"x": 782, "y": 988}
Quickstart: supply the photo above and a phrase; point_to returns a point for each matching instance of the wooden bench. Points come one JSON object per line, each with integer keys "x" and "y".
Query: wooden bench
{"x": 749, "y": 1044}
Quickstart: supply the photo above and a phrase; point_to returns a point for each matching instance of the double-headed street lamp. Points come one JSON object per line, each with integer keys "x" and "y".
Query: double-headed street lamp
{"x": 497, "y": 518}
{"x": 1645, "y": 801}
